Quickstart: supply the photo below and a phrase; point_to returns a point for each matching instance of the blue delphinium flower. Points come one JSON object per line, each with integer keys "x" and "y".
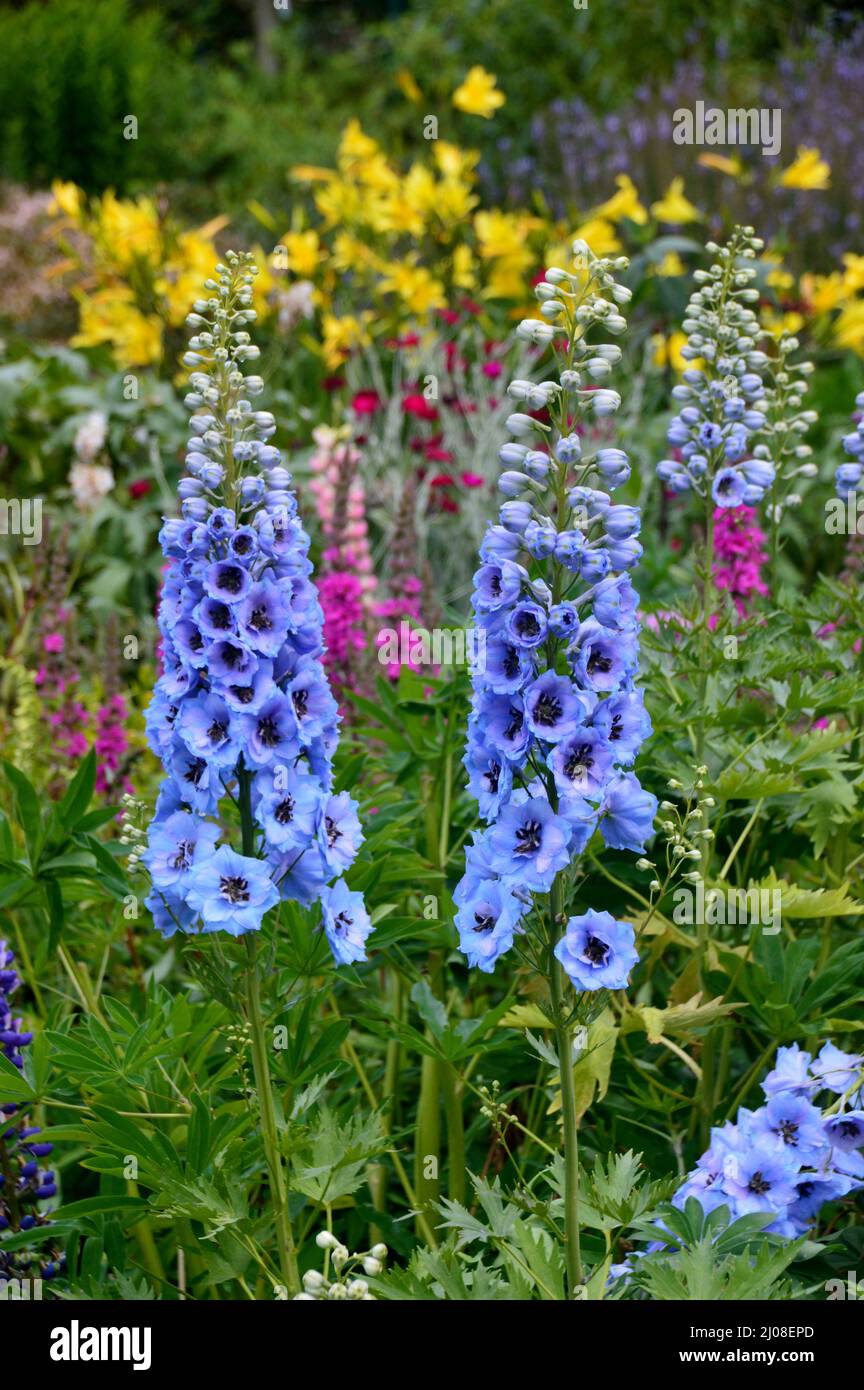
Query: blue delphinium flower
{"x": 596, "y": 951}
{"x": 556, "y": 717}
{"x": 242, "y": 714}
{"x": 722, "y": 393}
{"x": 24, "y": 1183}
{"x": 847, "y": 478}
{"x": 789, "y": 1157}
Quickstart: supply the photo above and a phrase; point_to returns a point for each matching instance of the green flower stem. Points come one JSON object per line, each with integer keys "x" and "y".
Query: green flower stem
{"x": 261, "y": 1067}
{"x": 564, "y": 1041}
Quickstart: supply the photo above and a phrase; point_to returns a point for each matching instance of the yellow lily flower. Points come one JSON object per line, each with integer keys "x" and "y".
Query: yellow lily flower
{"x": 478, "y": 94}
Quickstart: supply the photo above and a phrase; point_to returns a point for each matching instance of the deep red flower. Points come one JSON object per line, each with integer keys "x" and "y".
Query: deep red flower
{"x": 140, "y": 487}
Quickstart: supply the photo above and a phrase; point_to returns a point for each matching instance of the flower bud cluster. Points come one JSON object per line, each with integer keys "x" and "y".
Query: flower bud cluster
{"x": 722, "y": 395}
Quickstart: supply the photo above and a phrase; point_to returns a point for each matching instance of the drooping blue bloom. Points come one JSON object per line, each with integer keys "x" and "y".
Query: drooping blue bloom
{"x": 487, "y": 919}
{"x": 242, "y": 713}
{"x": 346, "y": 922}
{"x": 556, "y": 717}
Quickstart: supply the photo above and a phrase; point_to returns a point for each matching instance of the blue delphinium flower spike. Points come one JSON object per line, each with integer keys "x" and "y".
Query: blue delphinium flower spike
{"x": 242, "y": 715}
{"x": 722, "y": 394}
{"x": 556, "y": 715}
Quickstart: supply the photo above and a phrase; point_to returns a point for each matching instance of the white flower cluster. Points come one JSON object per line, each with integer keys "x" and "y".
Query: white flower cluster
{"x": 345, "y": 1281}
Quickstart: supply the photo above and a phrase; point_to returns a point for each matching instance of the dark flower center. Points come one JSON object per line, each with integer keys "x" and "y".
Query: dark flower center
{"x": 484, "y": 920}
{"x": 242, "y": 544}
{"x": 616, "y": 728}
{"x": 547, "y": 710}
{"x": 848, "y": 1129}
{"x": 579, "y": 762}
{"x": 284, "y": 812}
{"x": 596, "y": 951}
{"x": 216, "y": 731}
{"x": 528, "y": 837}
{"x": 515, "y": 725}
{"x": 268, "y": 731}
{"x": 236, "y": 890}
{"x": 231, "y": 656}
{"x": 758, "y": 1184}
{"x": 196, "y": 641}
{"x": 183, "y": 858}
{"x": 259, "y": 619}
{"x": 231, "y": 579}
{"x": 194, "y": 770}
{"x": 495, "y": 585}
{"x": 301, "y": 702}
{"x": 243, "y": 694}
{"x": 788, "y": 1131}
{"x": 333, "y": 831}
{"x": 493, "y": 772}
{"x": 220, "y": 616}
{"x": 342, "y": 922}
{"x": 527, "y": 624}
{"x": 511, "y": 663}
{"x": 598, "y": 662}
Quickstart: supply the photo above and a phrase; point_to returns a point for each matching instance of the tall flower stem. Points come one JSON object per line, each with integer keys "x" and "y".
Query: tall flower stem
{"x": 564, "y": 1044}
{"x": 263, "y": 1083}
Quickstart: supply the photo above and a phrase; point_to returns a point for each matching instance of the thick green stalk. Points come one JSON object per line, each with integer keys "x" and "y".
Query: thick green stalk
{"x": 564, "y": 1042}
{"x": 263, "y": 1084}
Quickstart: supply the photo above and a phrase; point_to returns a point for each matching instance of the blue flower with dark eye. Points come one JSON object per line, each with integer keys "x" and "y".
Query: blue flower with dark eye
{"x": 346, "y": 923}
{"x": 526, "y": 625}
{"x": 503, "y": 721}
{"x": 490, "y": 777}
{"x": 197, "y": 786}
{"x": 314, "y": 707}
{"x": 553, "y": 708}
{"x": 728, "y": 488}
{"x": 596, "y": 951}
{"x": 175, "y": 846}
{"x": 763, "y": 1178}
{"x": 231, "y": 891}
{"x": 229, "y": 661}
{"x": 272, "y": 735}
{"x": 206, "y": 727}
{"x": 487, "y": 919}
{"x": 287, "y": 807}
{"x": 227, "y": 580}
{"x": 263, "y": 618}
{"x": 563, "y": 620}
{"x": 529, "y": 843}
{"x": 247, "y": 695}
{"x": 505, "y": 667}
{"x": 622, "y": 721}
{"x": 497, "y": 585}
{"x": 792, "y": 1120}
{"x": 846, "y": 1130}
{"x": 605, "y": 657}
{"x": 582, "y": 764}
{"x": 339, "y": 833}
{"x": 215, "y": 618}
{"x": 627, "y": 813}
